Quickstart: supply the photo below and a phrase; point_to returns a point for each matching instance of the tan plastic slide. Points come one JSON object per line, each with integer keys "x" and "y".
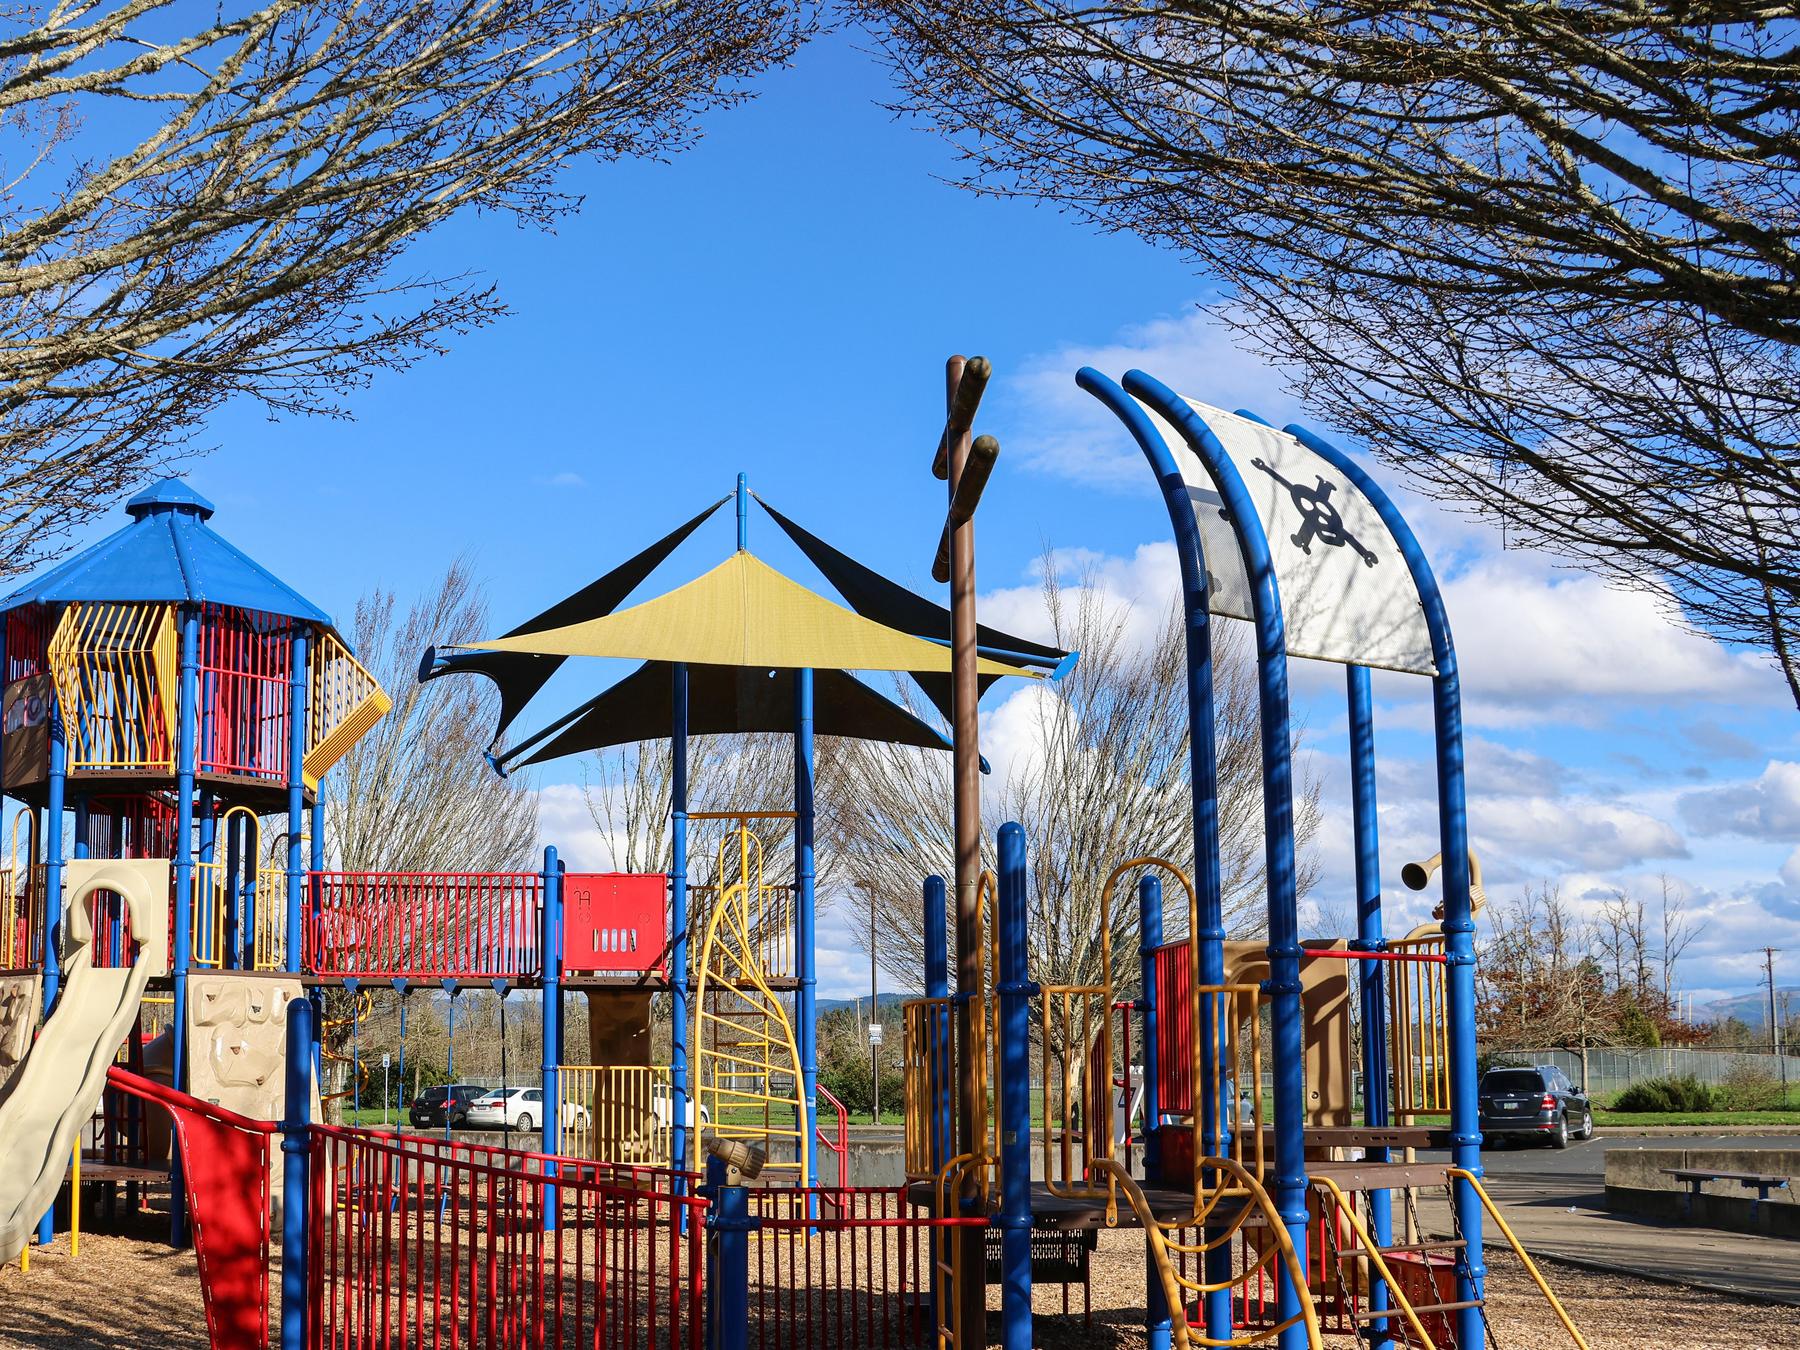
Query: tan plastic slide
{"x": 54, "y": 1093}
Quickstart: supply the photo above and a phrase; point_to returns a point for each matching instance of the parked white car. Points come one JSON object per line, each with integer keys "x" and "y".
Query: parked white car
{"x": 518, "y": 1108}
{"x": 662, "y": 1106}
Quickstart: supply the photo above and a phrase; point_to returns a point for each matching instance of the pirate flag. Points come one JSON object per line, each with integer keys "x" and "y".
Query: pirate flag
{"x": 1346, "y": 593}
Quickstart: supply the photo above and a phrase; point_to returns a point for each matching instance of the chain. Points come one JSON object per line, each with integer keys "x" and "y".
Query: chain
{"x": 1464, "y": 1268}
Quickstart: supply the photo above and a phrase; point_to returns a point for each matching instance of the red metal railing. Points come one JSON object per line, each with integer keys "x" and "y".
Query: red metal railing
{"x": 27, "y": 642}
{"x": 841, "y": 1266}
{"x": 416, "y": 1243}
{"x": 424, "y": 925}
{"x": 245, "y": 667}
{"x": 839, "y": 1141}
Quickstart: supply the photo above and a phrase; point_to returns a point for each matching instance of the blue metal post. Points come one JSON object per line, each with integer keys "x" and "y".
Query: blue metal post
{"x": 1369, "y": 939}
{"x": 1158, "y": 1328}
{"x": 1015, "y": 990}
{"x": 1203, "y": 775}
{"x": 186, "y": 734}
{"x": 51, "y": 834}
{"x": 1287, "y": 1040}
{"x": 938, "y": 987}
{"x": 678, "y": 920}
{"x": 743, "y": 513}
{"x": 315, "y": 831}
{"x": 296, "y": 1155}
{"x": 296, "y": 786}
{"x": 207, "y": 853}
{"x": 1459, "y": 923}
{"x": 234, "y": 892}
{"x": 730, "y": 1223}
{"x": 550, "y": 963}
{"x": 805, "y": 1012}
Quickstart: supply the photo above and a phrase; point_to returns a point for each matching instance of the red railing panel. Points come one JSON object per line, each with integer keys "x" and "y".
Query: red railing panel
{"x": 424, "y": 925}
{"x": 1173, "y": 971}
{"x": 615, "y": 923}
{"x": 245, "y": 667}
{"x": 421, "y": 1242}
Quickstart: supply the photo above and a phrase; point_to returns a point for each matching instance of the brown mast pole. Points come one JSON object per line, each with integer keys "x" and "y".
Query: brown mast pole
{"x": 971, "y": 1293}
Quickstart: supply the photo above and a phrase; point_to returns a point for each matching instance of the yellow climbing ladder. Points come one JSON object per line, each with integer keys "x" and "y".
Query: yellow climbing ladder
{"x": 748, "y": 1079}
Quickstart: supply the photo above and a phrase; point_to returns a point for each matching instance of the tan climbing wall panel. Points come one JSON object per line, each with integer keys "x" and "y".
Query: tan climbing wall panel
{"x": 19, "y": 1002}
{"x": 1325, "y": 996}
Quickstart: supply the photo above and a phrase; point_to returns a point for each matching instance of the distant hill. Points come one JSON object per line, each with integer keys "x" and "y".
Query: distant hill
{"x": 886, "y": 1000}
{"x": 1751, "y": 1009}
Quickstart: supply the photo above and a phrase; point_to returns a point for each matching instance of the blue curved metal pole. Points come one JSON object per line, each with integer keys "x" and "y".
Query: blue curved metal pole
{"x": 1370, "y": 977}
{"x": 1203, "y": 773}
{"x": 1459, "y": 923}
{"x": 1015, "y": 990}
{"x": 678, "y": 919}
{"x": 1287, "y": 1050}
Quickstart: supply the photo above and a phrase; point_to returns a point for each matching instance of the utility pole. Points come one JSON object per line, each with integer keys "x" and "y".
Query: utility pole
{"x": 1774, "y": 1023}
{"x": 875, "y": 1031}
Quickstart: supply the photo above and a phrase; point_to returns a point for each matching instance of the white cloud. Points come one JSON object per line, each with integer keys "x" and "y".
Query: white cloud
{"x": 1767, "y": 808}
{"x": 1070, "y": 434}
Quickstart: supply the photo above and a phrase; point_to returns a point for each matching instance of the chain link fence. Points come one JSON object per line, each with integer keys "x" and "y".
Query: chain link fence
{"x": 1612, "y": 1070}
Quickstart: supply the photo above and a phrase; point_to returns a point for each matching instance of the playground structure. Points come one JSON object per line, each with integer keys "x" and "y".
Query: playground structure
{"x": 1205, "y": 1091}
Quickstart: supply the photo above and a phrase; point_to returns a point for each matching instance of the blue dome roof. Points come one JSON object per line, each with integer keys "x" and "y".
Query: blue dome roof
{"x": 167, "y": 554}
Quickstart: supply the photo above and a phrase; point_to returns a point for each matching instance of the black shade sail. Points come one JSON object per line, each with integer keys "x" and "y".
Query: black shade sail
{"x": 520, "y": 675}
{"x": 875, "y": 597}
{"x": 722, "y": 700}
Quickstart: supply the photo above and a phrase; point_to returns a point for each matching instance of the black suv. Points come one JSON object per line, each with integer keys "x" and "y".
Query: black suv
{"x": 430, "y": 1108}
{"x": 1539, "y": 1103}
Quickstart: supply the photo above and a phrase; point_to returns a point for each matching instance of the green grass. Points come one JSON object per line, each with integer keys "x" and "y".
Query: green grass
{"x": 1620, "y": 1120}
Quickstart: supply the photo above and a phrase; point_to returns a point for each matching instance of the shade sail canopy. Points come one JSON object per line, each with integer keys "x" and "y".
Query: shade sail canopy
{"x": 875, "y": 597}
{"x": 727, "y": 699}
{"x": 168, "y": 554}
{"x": 520, "y": 675}
{"x": 744, "y": 613}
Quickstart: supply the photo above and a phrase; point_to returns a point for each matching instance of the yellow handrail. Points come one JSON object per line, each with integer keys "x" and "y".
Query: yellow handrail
{"x": 1175, "y": 1283}
{"x": 1530, "y": 1266}
{"x": 1373, "y": 1252}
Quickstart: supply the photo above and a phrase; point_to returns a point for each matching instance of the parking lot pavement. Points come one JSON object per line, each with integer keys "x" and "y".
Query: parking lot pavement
{"x": 1554, "y": 1199}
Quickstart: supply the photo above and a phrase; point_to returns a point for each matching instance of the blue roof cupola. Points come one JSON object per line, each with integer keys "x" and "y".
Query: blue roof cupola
{"x": 167, "y": 554}
{"x": 169, "y": 495}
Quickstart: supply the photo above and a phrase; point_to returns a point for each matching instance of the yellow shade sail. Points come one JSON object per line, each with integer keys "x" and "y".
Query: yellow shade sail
{"x": 745, "y": 613}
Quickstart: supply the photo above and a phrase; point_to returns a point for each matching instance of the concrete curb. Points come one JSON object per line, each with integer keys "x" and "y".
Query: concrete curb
{"x": 1601, "y": 1132}
{"x": 1588, "y": 1263}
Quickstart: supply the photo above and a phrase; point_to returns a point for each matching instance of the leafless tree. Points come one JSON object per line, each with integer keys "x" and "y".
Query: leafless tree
{"x": 1102, "y": 778}
{"x": 1678, "y": 932}
{"x": 1543, "y": 257}
{"x": 415, "y": 794}
{"x": 206, "y": 201}
{"x": 1537, "y": 982}
{"x": 1622, "y": 938}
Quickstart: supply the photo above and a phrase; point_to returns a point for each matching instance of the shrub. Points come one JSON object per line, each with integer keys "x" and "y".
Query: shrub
{"x": 1685, "y": 1093}
{"x": 1750, "y": 1087}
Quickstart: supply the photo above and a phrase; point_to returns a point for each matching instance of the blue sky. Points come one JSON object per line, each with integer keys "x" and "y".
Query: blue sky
{"x": 780, "y": 300}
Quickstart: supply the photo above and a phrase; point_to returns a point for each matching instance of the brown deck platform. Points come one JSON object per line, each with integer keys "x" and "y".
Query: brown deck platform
{"x": 99, "y": 1171}
{"x": 1174, "y": 1203}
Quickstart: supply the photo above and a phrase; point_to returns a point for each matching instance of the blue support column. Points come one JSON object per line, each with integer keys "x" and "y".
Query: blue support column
{"x": 187, "y": 728}
{"x": 1369, "y": 938}
{"x": 206, "y": 852}
{"x": 1015, "y": 990}
{"x": 1158, "y": 1330}
{"x": 296, "y": 1191}
{"x": 805, "y": 1013}
{"x": 234, "y": 892}
{"x": 296, "y": 804}
{"x": 550, "y": 963}
{"x": 50, "y": 832}
{"x": 678, "y": 921}
{"x": 729, "y": 1226}
{"x": 1459, "y": 923}
{"x": 1287, "y": 1038}
{"x": 1203, "y": 774}
{"x": 315, "y": 830}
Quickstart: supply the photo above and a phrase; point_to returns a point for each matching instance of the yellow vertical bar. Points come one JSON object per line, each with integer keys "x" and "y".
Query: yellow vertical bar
{"x": 75, "y": 1202}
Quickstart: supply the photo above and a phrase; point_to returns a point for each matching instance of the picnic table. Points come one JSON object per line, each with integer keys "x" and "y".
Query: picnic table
{"x": 1696, "y": 1177}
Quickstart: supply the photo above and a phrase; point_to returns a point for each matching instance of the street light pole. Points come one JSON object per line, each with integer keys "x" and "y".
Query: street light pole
{"x": 874, "y": 1023}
